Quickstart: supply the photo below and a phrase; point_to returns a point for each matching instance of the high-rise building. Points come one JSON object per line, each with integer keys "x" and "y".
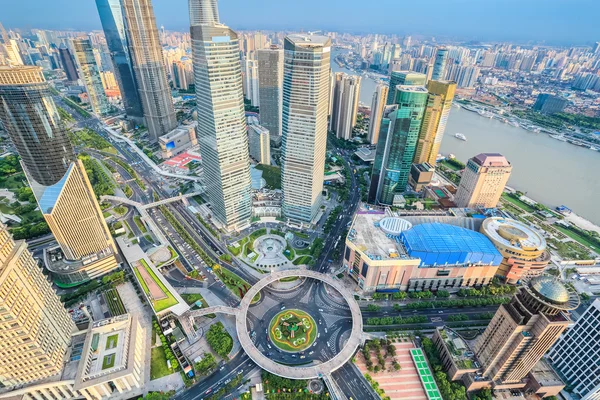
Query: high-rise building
{"x": 377, "y": 107}
{"x": 346, "y": 93}
{"x": 483, "y": 181}
{"x": 467, "y": 76}
{"x": 439, "y": 64}
{"x": 149, "y": 67}
{"x": 575, "y": 354}
{"x": 222, "y": 131}
{"x": 398, "y": 137}
{"x": 549, "y": 104}
{"x": 58, "y": 180}
{"x": 439, "y": 103}
{"x": 258, "y": 143}
{"x": 111, "y": 17}
{"x": 36, "y": 329}
{"x": 403, "y": 78}
{"x": 596, "y": 48}
{"x": 90, "y": 74}
{"x": 270, "y": 88}
{"x": 180, "y": 76}
{"x": 203, "y": 12}
{"x": 11, "y": 48}
{"x": 304, "y": 125}
{"x": 251, "y": 81}
{"x": 522, "y": 331}
{"x": 68, "y": 64}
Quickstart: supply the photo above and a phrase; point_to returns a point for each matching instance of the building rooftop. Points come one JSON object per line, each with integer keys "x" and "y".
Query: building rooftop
{"x": 513, "y": 234}
{"x": 306, "y": 40}
{"x": 550, "y": 288}
{"x": 365, "y": 154}
{"x": 412, "y": 88}
{"x": 491, "y": 160}
{"x": 458, "y": 349}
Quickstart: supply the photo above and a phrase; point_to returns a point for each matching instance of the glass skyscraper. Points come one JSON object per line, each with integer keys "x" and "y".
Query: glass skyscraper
{"x": 111, "y": 17}
{"x": 403, "y": 78}
{"x": 439, "y": 65}
{"x": 90, "y": 73}
{"x": 270, "y": 87}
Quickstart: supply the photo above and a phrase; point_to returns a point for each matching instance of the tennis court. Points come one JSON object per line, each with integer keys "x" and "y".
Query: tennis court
{"x": 425, "y": 374}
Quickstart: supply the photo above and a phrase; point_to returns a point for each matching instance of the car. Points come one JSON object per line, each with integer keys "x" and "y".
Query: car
{"x": 318, "y": 336}
{"x": 325, "y": 330}
{"x": 269, "y": 346}
{"x": 320, "y": 309}
{"x": 311, "y": 352}
{"x": 208, "y": 391}
{"x": 302, "y": 356}
{"x": 282, "y": 307}
{"x": 314, "y": 345}
{"x": 294, "y": 356}
{"x": 440, "y": 312}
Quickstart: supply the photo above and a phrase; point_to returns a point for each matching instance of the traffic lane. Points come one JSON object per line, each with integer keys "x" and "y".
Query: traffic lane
{"x": 352, "y": 383}
{"x": 387, "y": 311}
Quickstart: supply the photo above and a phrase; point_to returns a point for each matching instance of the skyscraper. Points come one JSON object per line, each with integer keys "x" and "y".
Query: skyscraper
{"x": 68, "y": 64}
{"x": 377, "y": 107}
{"x": 439, "y": 102}
{"x": 91, "y": 76}
{"x": 111, "y": 17}
{"x": 58, "y": 180}
{"x": 575, "y": 354}
{"x": 251, "y": 80}
{"x": 148, "y": 67}
{"x": 398, "y": 137}
{"x": 270, "y": 88}
{"x": 222, "y": 132}
{"x": 483, "y": 181}
{"x": 305, "y": 106}
{"x": 36, "y": 329}
{"x": 10, "y": 47}
{"x": 258, "y": 144}
{"x": 439, "y": 64}
{"x": 522, "y": 331}
{"x": 403, "y": 78}
{"x": 346, "y": 93}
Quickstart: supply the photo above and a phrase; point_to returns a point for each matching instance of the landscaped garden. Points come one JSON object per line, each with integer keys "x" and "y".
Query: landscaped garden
{"x": 292, "y": 330}
{"x": 161, "y": 298}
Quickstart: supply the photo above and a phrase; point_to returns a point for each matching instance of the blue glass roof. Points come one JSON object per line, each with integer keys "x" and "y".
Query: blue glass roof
{"x": 51, "y": 193}
{"x": 439, "y": 244}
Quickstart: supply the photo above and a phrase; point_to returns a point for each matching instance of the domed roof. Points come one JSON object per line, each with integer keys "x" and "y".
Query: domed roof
{"x": 551, "y": 289}
{"x": 394, "y": 225}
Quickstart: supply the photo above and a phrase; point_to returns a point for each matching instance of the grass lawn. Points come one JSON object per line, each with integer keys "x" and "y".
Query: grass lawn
{"x": 518, "y": 203}
{"x": 449, "y": 166}
{"x": 193, "y": 298}
{"x": 158, "y": 363}
{"x": 289, "y": 279}
{"x": 575, "y": 236}
{"x": 289, "y": 253}
{"x": 114, "y": 302}
{"x": 302, "y": 260}
{"x": 287, "y": 343}
{"x": 140, "y": 224}
{"x": 271, "y": 175}
{"x": 108, "y": 361}
{"x": 112, "y": 341}
{"x": 158, "y": 305}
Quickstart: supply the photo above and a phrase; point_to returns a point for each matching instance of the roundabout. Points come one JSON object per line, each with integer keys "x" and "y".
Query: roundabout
{"x": 292, "y": 330}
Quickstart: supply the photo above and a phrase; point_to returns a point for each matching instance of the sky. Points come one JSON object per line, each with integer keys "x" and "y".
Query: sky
{"x": 560, "y": 22}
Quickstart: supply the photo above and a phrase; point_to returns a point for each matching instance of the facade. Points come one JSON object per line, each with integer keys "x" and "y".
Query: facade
{"x": 390, "y": 254}
{"x": 36, "y": 329}
{"x": 483, "y": 181}
{"x": 575, "y": 354}
{"x": 398, "y": 137}
{"x": 251, "y": 81}
{"x": 111, "y": 17}
{"x": 420, "y": 175}
{"x": 148, "y": 67}
{"x": 345, "y": 104}
{"x": 177, "y": 141}
{"x": 259, "y": 144}
{"x": 203, "y": 12}
{"x": 270, "y": 88}
{"x": 522, "y": 331}
{"x": 549, "y": 104}
{"x": 58, "y": 180}
{"x": 439, "y": 65}
{"x": 377, "y": 107}
{"x": 66, "y": 59}
{"x": 304, "y": 124}
{"x": 222, "y": 132}
{"x": 403, "y": 78}
{"x": 522, "y": 247}
{"x": 90, "y": 73}
{"x": 439, "y": 103}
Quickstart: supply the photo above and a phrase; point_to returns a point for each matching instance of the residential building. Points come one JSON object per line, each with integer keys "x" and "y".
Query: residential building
{"x": 377, "y": 107}
{"x": 439, "y": 65}
{"x": 36, "y": 329}
{"x": 549, "y": 104}
{"x": 270, "y": 88}
{"x": 575, "y": 355}
{"x": 109, "y": 82}
{"x": 90, "y": 73}
{"x": 148, "y": 67}
{"x": 259, "y": 144}
{"x": 439, "y": 103}
{"x": 467, "y": 76}
{"x": 177, "y": 141}
{"x": 57, "y": 178}
{"x": 398, "y": 137}
{"x": 68, "y": 65}
{"x": 222, "y": 132}
{"x": 346, "y": 93}
{"x": 251, "y": 80}
{"x": 522, "y": 331}
{"x": 305, "y": 106}
{"x": 180, "y": 80}
{"x": 523, "y": 248}
{"x": 483, "y": 181}
{"x": 113, "y": 24}
{"x": 403, "y": 78}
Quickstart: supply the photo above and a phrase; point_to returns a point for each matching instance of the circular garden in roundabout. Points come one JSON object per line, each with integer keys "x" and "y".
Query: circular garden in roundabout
{"x": 292, "y": 330}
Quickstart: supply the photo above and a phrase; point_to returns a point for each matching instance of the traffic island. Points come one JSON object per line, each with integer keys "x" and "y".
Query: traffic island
{"x": 292, "y": 330}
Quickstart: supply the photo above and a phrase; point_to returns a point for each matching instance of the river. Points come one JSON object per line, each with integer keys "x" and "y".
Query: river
{"x": 549, "y": 171}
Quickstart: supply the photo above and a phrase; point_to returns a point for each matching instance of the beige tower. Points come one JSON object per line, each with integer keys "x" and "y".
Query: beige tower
{"x": 377, "y": 105}
{"x": 523, "y": 330}
{"x": 34, "y": 326}
{"x": 483, "y": 181}
{"x": 346, "y": 93}
{"x": 439, "y": 103}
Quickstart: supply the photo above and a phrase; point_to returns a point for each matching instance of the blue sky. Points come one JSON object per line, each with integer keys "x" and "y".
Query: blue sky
{"x": 549, "y": 21}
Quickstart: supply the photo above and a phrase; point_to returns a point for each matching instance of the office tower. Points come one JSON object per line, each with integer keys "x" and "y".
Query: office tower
{"x": 36, "y": 329}
{"x": 251, "y": 80}
{"x": 403, "y": 78}
{"x": 90, "y": 74}
{"x": 346, "y": 93}
{"x": 111, "y": 17}
{"x": 270, "y": 88}
{"x": 258, "y": 144}
{"x": 398, "y": 137}
{"x": 522, "y": 331}
{"x": 10, "y": 48}
{"x": 575, "y": 354}
{"x": 483, "y": 181}
{"x": 439, "y": 102}
{"x": 180, "y": 76}
{"x": 377, "y": 107}
{"x": 203, "y": 12}
{"x": 305, "y": 105}
{"x": 67, "y": 63}
{"x": 549, "y": 104}
{"x": 58, "y": 180}
{"x": 439, "y": 65}
{"x": 222, "y": 131}
{"x": 148, "y": 67}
